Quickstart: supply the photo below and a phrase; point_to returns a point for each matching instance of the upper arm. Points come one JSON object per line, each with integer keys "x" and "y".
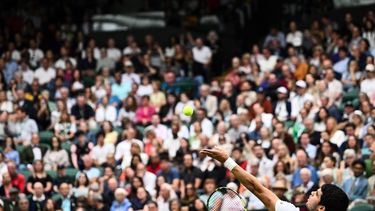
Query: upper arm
{"x": 268, "y": 198}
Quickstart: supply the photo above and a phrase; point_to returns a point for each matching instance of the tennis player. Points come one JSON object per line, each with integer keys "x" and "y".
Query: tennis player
{"x": 327, "y": 198}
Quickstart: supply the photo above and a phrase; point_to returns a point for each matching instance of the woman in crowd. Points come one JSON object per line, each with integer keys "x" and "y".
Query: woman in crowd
{"x": 39, "y": 175}
{"x": 10, "y": 151}
{"x": 81, "y": 185}
{"x": 65, "y": 129}
{"x": 56, "y": 156}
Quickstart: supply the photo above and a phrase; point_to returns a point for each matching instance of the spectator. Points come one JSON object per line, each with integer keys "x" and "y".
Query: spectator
{"x": 121, "y": 202}
{"x": 39, "y": 176}
{"x": 56, "y": 156}
{"x": 38, "y": 199}
{"x": 34, "y": 151}
{"x": 294, "y": 37}
{"x": 10, "y": 151}
{"x": 105, "y": 111}
{"x": 166, "y": 195}
{"x": 141, "y": 200}
{"x": 82, "y": 148}
{"x": 24, "y": 127}
{"x": 356, "y": 187}
{"x": 65, "y": 201}
{"x": 81, "y": 184}
{"x": 302, "y": 162}
{"x": 160, "y": 130}
{"x": 101, "y": 150}
{"x": 81, "y": 110}
{"x": 170, "y": 173}
{"x": 144, "y": 113}
{"x": 45, "y": 74}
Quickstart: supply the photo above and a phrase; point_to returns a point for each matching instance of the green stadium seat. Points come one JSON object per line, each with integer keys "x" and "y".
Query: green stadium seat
{"x": 25, "y": 173}
{"x": 66, "y": 145}
{"x": 46, "y": 137}
{"x": 71, "y": 172}
{"x": 19, "y": 148}
{"x": 52, "y": 174}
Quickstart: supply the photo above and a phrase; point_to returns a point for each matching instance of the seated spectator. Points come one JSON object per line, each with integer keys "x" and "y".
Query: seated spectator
{"x": 356, "y": 187}
{"x": 17, "y": 180}
{"x": 167, "y": 111}
{"x": 189, "y": 195}
{"x": 105, "y": 111}
{"x": 170, "y": 173}
{"x": 110, "y": 135}
{"x": 142, "y": 198}
{"x": 144, "y": 113}
{"x": 88, "y": 168}
{"x": 304, "y": 142}
{"x": 101, "y": 150}
{"x": 148, "y": 178}
{"x": 80, "y": 149}
{"x": 303, "y": 162}
{"x": 23, "y": 126}
{"x": 81, "y": 110}
{"x": 56, "y": 156}
{"x": 157, "y": 97}
{"x": 128, "y": 109}
{"x": 6, "y": 187}
{"x": 167, "y": 194}
{"x": 121, "y": 203}
{"x": 50, "y": 205}
{"x": 65, "y": 128}
{"x": 65, "y": 200}
{"x": 81, "y": 185}
{"x": 39, "y": 176}
{"x": 33, "y": 152}
{"x": 160, "y": 130}
{"x": 38, "y": 199}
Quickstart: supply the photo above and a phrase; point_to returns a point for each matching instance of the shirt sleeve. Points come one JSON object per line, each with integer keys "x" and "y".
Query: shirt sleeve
{"x": 285, "y": 206}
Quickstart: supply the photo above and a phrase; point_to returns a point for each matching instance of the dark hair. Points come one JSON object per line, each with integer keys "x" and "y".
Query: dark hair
{"x": 333, "y": 198}
{"x": 100, "y": 133}
{"x": 59, "y": 143}
{"x": 332, "y": 158}
{"x": 76, "y": 184}
{"x": 360, "y": 162}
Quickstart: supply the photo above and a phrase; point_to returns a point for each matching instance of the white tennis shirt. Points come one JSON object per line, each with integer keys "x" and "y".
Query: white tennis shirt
{"x": 285, "y": 206}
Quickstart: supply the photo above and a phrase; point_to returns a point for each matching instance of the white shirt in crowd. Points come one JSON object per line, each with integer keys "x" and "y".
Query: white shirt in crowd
{"x": 35, "y": 56}
{"x": 130, "y": 78}
{"x": 298, "y": 101}
{"x": 6, "y": 106}
{"x": 99, "y": 153}
{"x": 149, "y": 181}
{"x": 161, "y": 131}
{"x": 202, "y": 55}
{"x": 106, "y": 113}
{"x": 123, "y": 148}
{"x": 144, "y": 90}
{"x": 27, "y": 75}
{"x": 295, "y": 38}
{"x": 207, "y": 128}
{"x": 114, "y": 53}
{"x": 334, "y": 89}
{"x": 45, "y": 76}
{"x": 266, "y": 120}
{"x": 61, "y": 63}
{"x": 267, "y": 64}
{"x": 368, "y": 86}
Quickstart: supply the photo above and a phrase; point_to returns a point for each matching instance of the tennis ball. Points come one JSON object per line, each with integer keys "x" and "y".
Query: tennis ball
{"x": 188, "y": 110}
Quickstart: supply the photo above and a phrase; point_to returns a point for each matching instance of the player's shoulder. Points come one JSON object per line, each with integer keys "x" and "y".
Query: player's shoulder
{"x": 285, "y": 206}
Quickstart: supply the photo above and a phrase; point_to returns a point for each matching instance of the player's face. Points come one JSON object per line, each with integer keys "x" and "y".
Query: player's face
{"x": 314, "y": 199}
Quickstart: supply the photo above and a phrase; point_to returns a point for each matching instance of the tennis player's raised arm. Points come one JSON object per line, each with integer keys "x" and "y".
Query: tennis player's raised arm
{"x": 268, "y": 198}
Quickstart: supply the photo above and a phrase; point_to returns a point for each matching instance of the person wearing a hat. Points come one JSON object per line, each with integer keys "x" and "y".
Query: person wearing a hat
{"x": 129, "y": 76}
{"x": 300, "y": 98}
{"x": 279, "y": 188}
{"x": 367, "y": 86}
{"x": 263, "y": 100}
{"x": 282, "y": 108}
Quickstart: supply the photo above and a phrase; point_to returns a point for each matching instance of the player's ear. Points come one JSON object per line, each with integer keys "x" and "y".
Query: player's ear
{"x": 321, "y": 208}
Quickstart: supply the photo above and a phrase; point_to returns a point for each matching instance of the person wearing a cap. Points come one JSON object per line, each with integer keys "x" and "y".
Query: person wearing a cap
{"x": 129, "y": 76}
{"x": 282, "y": 108}
{"x": 367, "y": 86}
{"x": 323, "y": 199}
{"x": 300, "y": 98}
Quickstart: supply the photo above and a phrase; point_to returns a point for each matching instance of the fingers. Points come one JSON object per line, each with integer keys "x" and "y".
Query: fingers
{"x": 207, "y": 152}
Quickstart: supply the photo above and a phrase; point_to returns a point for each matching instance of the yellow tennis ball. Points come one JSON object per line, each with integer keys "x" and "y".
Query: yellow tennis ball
{"x": 188, "y": 110}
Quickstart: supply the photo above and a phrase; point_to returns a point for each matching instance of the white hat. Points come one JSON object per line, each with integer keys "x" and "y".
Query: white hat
{"x": 301, "y": 83}
{"x": 282, "y": 90}
{"x": 370, "y": 68}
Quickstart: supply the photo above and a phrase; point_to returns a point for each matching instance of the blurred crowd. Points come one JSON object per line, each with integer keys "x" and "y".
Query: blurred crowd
{"x": 87, "y": 127}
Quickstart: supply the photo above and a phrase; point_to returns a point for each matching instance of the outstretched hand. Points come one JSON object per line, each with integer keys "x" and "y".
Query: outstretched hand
{"x": 216, "y": 153}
